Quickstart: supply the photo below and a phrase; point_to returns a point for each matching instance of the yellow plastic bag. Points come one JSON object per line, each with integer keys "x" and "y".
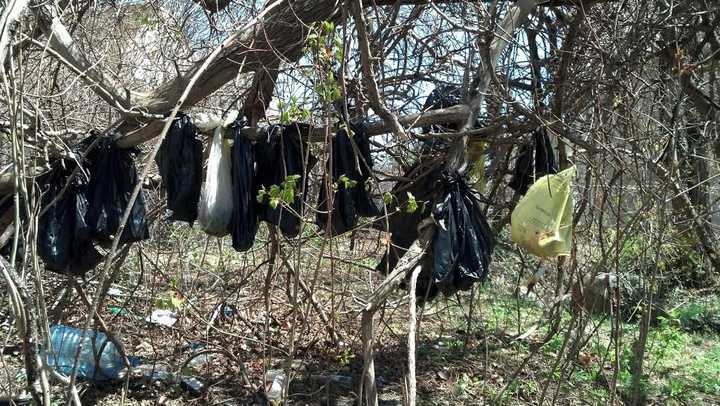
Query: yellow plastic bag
{"x": 542, "y": 220}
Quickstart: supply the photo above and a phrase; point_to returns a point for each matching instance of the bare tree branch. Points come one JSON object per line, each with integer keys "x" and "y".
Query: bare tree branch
{"x": 704, "y": 104}
{"x": 61, "y": 42}
{"x": 514, "y": 18}
{"x": 9, "y": 18}
{"x": 279, "y": 36}
{"x": 376, "y": 101}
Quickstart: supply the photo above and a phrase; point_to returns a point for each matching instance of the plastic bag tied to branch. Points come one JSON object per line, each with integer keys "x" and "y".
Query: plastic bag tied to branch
{"x": 216, "y": 199}
{"x": 180, "y": 162}
{"x": 541, "y": 222}
{"x": 442, "y": 97}
{"x": 64, "y": 236}
{"x": 463, "y": 243}
{"x": 244, "y": 223}
{"x": 112, "y": 180}
{"x": 350, "y": 171}
{"x": 534, "y": 161}
{"x": 281, "y": 181}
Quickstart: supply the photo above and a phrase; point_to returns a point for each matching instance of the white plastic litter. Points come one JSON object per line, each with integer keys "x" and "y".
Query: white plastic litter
{"x": 163, "y": 317}
{"x": 216, "y": 202}
{"x": 276, "y": 393}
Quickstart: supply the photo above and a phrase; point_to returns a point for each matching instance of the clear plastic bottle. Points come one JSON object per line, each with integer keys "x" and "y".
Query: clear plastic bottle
{"x": 96, "y": 346}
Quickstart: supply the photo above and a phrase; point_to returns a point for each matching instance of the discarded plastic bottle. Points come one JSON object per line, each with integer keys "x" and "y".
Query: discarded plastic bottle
{"x": 192, "y": 385}
{"x": 96, "y": 346}
{"x": 275, "y": 394}
{"x": 157, "y": 374}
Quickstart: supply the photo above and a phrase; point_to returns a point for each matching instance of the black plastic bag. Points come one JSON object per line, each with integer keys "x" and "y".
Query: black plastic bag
{"x": 462, "y": 244}
{"x": 533, "y": 162}
{"x": 244, "y": 223}
{"x": 280, "y": 154}
{"x": 113, "y": 178}
{"x": 180, "y": 162}
{"x": 460, "y": 251}
{"x": 442, "y": 98}
{"x": 351, "y": 170}
{"x": 422, "y": 180}
{"x": 365, "y": 206}
{"x": 64, "y": 237}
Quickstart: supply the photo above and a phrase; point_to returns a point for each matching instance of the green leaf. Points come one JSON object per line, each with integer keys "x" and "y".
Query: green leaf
{"x": 292, "y": 180}
{"x": 387, "y": 198}
{"x": 411, "y": 203}
{"x": 335, "y": 94}
{"x": 288, "y": 195}
{"x": 261, "y": 195}
{"x": 346, "y": 182}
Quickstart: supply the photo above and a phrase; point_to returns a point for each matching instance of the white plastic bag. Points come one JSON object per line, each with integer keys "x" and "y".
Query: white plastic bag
{"x": 216, "y": 204}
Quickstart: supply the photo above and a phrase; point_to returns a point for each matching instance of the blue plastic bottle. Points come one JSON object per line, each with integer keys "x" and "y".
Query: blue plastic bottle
{"x": 65, "y": 341}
